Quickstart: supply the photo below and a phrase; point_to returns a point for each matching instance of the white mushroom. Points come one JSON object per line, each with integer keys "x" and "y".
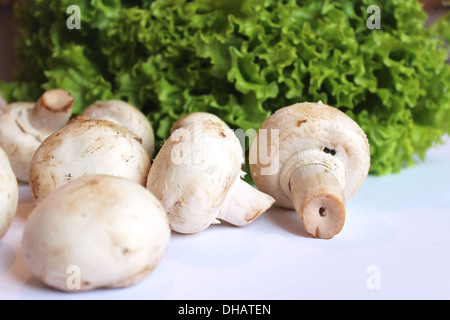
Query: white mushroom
{"x": 126, "y": 115}
{"x": 323, "y": 159}
{"x": 9, "y": 193}
{"x": 97, "y": 231}
{"x": 24, "y": 125}
{"x": 197, "y": 177}
{"x": 83, "y": 147}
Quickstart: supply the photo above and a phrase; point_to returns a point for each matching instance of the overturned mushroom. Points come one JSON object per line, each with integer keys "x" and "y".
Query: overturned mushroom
{"x": 24, "y": 126}
{"x": 126, "y": 115}
{"x": 197, "y": 177}
{"x": 83, "y": 147}
{"x": 9, "y": 193}
{"x": 323, "y": 159}
{"x": 96, "y": 232}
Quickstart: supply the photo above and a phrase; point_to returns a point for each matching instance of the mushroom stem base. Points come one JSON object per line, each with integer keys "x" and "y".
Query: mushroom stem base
{"x": 52, "y": 110}
{"x": 319, "y": 200}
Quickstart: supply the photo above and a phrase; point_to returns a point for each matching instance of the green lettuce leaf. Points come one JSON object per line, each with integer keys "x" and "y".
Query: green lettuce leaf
{"x": 243, "y": 60}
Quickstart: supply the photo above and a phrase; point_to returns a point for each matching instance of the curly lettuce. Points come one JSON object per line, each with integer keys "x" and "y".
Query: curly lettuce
{"x": 243, "y": 60}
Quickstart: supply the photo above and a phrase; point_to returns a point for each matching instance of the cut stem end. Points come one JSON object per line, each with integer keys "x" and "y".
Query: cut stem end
{"x": 52, "y": 110}
{"x": 323, "y": 216}
{"x": 319, "y": 199}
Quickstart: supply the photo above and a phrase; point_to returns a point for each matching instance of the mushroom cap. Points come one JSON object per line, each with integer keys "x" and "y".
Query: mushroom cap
{"x": 312, "y": 126}
{"x": 84, "y": 147}
{"x": 9, "y": 193}
{"x": 184, "y": 121}
{"x": 112, "y": 230}
{"x": 18, "y": 138}
{"x": 127, "y": 115}
{"x": 193, "y": 173}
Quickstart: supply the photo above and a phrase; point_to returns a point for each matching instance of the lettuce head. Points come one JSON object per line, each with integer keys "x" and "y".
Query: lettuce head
{"x": 244, "y": 59}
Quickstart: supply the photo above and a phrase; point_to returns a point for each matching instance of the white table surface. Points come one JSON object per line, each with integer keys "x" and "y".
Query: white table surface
{"x": 395, "y": 245}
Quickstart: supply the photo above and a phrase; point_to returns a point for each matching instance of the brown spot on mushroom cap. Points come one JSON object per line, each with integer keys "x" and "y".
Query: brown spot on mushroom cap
{"x": 78, "y": 119}
{"x": 214, "y": 126}
{"x": 300, "y": 122}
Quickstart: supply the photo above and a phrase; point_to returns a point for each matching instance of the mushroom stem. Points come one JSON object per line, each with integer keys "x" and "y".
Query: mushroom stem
{"x": 246, "y": 204}
{"x": 319, "y": 199}
{"x": 315, "y": 182}
{"x": 52, "y": 110}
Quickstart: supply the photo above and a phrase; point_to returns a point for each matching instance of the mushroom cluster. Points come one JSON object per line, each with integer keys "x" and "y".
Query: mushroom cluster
{"x": 104, "y": 213}
{"x": 87, "y": 177}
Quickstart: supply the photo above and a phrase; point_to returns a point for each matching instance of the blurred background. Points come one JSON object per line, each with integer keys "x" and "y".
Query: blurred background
{"x": 434, "y": 8}
{"x": 7, "y": 34}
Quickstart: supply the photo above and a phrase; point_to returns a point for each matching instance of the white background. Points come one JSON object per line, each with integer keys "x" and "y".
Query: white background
{"x": 395, "y": 245}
